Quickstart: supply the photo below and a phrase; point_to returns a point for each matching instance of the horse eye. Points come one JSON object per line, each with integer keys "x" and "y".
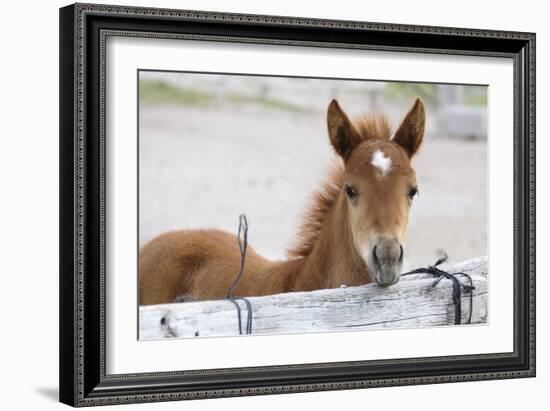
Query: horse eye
{"x": 413, "y": 191}
{"x": 351, "y": 192}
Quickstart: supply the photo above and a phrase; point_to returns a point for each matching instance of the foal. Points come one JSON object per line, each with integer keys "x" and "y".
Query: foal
{"x": 353, "y": 235}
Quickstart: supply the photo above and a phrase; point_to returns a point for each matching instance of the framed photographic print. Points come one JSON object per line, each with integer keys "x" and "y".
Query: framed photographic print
{"x": 262, "y": 204}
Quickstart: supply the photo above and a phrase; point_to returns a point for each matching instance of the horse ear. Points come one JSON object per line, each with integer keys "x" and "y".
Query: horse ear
{"x": 410, "y": 133}
{"x": 343, "y": 135}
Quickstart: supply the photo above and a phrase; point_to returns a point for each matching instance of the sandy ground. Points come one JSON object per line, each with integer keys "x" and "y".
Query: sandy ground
{"x": 202, "y": 168}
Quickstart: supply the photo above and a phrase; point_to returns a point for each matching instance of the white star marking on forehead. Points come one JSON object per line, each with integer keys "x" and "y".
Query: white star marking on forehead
{"x": 381, "y": 162}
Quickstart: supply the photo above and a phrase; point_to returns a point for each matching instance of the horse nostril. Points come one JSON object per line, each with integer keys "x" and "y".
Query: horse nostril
{"x": 387, "y": 252}
{"x": 375, "y": 257}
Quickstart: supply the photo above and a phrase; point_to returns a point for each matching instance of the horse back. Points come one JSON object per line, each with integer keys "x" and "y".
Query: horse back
{"x": 200, "y": 263}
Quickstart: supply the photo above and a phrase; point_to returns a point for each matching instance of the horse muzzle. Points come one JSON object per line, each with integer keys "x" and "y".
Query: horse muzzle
{"x": 387, "y": 261}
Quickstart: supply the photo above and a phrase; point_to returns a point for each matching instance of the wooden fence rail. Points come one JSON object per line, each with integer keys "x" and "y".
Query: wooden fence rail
{"x": 411, "y": 303}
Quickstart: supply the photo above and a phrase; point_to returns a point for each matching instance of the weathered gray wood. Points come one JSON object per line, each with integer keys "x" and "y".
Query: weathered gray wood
{"x": 411, "y": 303}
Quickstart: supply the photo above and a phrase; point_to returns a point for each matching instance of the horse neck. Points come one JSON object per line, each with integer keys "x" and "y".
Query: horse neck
{"x": 333, "y": 260}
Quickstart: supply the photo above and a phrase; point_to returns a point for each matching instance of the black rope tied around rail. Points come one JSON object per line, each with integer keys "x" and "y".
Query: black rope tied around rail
{"x": 243, "y": 244}
{"x": 457, "y": 286}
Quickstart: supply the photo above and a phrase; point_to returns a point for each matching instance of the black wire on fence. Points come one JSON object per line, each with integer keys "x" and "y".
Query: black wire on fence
{"x": 243, "y": 244}
{"x": 457, "y": 286}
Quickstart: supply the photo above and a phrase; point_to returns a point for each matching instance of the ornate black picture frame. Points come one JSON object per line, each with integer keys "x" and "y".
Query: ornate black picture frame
{"x": 83, "y": 30}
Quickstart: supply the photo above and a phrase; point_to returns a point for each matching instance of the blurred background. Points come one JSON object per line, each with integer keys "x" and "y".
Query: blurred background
{"x": 214, "y": 146}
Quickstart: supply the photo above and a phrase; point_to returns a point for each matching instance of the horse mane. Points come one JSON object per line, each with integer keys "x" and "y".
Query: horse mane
{"x": 374, "y": 126}
{"x": 369, "y": 127}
